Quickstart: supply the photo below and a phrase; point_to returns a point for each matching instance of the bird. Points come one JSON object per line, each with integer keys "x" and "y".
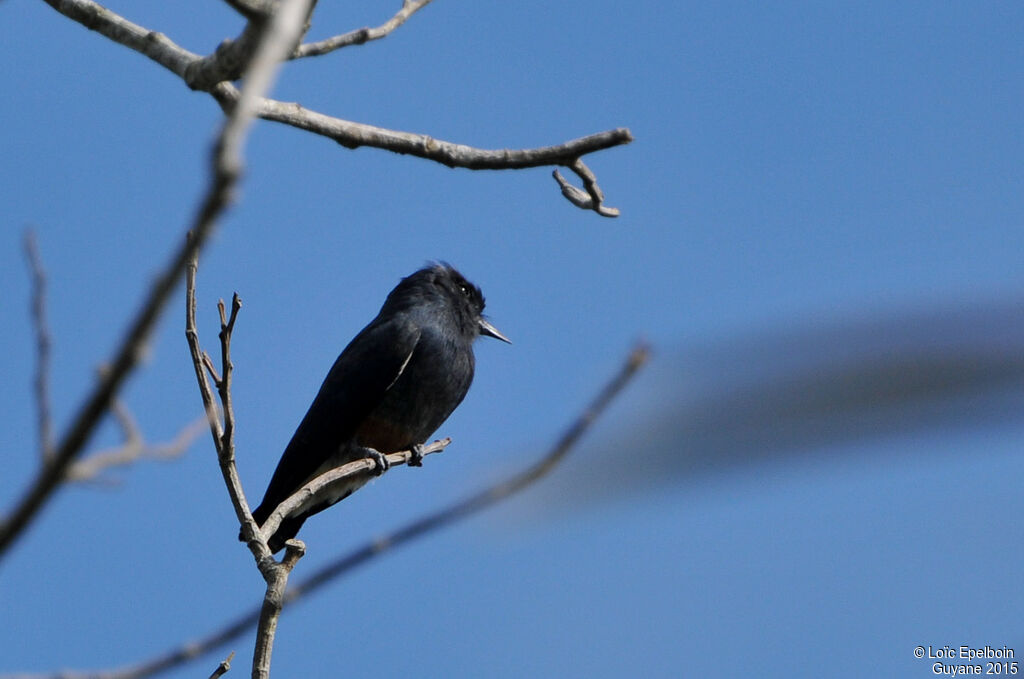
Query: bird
{"x": 392, "y": 387}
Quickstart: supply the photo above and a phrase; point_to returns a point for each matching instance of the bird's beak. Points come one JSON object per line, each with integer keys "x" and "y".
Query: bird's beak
{"x": 489, "y": 330}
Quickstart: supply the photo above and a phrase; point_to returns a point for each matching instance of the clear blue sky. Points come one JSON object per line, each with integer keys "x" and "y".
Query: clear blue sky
{"x": 797, "y": 168}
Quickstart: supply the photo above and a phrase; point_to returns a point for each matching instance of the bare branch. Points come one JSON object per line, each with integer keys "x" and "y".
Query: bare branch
{"x": 211, "y": 368}
{"x": 200, "y": 359}
{"x": 417, "y": 529}
{"x": 232, "y": 57}
{"x": 362, "y": 35}
{"x": 592, "y": 198}
{"x": 43, "y": 346}
{"x": 227, "y": 62}
{"x": 224, "y": 667}
{"x": 353, "y": 135}
{"x": 274, "y": 41}
{"x": 227, "y": 369}
{"x": 313, "y": 492}
{"x": 273, "y": 602}
{"x": 152, "y": 44}
{"x": 202, "y": 73}
{"x": 275, "y": 574}
{"x": 223, "y": 432}
{"x": 134, "y": 447}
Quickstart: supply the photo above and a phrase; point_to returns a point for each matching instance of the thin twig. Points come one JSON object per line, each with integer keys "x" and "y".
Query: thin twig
{"x": 200, "y": 359}
{"x": 417, "y": 529}
{"x": 361, "y": 35}
{"x": 227, "y": 326}
{"x": 224, "y": 667}
{"x": 43, "y": 346}
{"x": 592, "y": 198}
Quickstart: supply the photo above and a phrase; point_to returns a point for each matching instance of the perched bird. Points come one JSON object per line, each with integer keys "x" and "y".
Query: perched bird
{"x": 391, "y": 388}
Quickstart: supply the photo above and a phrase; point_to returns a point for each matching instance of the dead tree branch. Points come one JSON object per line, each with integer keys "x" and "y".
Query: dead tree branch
{"x": 353, "y": 135}
{"x": 152, "y": 44}
{"x": 342, "y": 565}
{"x": 227, "y": 62}
{"x": 275, "y": 40}
{"x": 313, "y": 492}
{"x": 361, "y": 35}
{"x": 214, "y": 72}
{"x": 592, "y": 198}
{"x": 224, "y": 667}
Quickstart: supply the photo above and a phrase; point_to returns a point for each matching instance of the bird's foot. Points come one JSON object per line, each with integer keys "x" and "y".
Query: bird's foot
{"x": 416, "y": 455}
{"x": 382, "y": 461}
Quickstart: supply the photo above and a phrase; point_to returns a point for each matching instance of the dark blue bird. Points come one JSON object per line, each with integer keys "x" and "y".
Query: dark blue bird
{"x": 390, "y": 389}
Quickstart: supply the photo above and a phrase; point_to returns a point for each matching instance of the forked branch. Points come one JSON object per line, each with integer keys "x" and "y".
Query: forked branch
{"x": 215, "y": 72}
{"x": 420, "y": 528}
{"x": 274, "y": 41}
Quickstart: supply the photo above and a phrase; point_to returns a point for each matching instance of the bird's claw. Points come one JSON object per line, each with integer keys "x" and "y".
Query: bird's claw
{"x": 416, "y": 455}
{"x": 380, "y": 459}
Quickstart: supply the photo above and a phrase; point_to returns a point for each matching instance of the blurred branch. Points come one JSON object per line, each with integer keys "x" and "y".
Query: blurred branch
{"x": 55, "y": 469}
{"x": 43, "y": 346}
{"x": 134, "y": 447}
{"x": 362, "y": 35}
{"x": 420, "y": 528}
{"x": 214, "y": 72}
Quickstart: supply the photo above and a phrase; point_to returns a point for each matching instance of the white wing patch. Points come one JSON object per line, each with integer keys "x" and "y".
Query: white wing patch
{"x": 405, "y": 363}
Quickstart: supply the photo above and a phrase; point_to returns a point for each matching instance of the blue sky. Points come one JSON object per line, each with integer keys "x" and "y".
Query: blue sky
{"x": 807, "y": 180}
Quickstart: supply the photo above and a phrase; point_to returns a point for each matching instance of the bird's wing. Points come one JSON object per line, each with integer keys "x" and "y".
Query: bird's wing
{"x": 355, "y": 385}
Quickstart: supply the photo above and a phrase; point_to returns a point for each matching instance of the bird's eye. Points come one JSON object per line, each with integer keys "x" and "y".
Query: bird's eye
{"x": 465, "y": 290}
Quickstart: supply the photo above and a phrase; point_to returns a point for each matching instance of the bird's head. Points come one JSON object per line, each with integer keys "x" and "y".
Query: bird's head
{"x": 439, "y": 287}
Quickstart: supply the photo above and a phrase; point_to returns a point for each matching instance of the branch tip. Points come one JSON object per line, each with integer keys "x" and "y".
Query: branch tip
{"x": 593, "y": 197}
{"x": 360, "y": 36}
{"x": 223, "y": 667}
